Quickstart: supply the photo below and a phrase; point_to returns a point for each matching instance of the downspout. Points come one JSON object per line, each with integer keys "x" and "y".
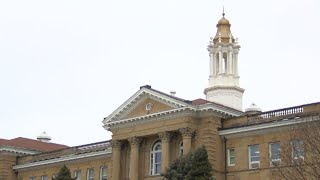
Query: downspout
{"x": 225, "y": 157}
{"x": 225, "y": 152}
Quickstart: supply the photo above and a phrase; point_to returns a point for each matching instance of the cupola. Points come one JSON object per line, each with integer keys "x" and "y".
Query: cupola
{"x": 224, "y": 87}
{"x": 44, "y": 137}
{"x": 253, "y": 109}
{"x": 223, "y": 31}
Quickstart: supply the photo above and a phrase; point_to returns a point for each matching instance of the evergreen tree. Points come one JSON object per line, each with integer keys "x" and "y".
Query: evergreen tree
{"x": 64, "y": 174}
{"x": 193, "y": 166}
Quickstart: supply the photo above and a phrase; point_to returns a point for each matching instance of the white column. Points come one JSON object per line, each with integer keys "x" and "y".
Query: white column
{"x": 236, "y": 64}
{"x": 230, "y": 60}
{"x": 220, "y": 62}
{"x": 211, "y": 67}
{"x": 214, "y": 68}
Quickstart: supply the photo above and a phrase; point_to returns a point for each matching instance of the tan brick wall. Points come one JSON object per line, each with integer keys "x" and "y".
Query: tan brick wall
{"x": 82, "y": 165}
{"x": 241, "y": 169}
{"x": 7, "y": 160}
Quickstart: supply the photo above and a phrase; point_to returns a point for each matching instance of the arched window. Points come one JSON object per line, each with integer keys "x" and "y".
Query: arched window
{"x": 155, "y": 158}
{"x": 181, "y": 148}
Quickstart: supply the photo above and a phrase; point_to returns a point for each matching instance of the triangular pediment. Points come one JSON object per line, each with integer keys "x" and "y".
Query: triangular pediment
{"x": 147, "y": 105}
{"x": 143, "y": 102}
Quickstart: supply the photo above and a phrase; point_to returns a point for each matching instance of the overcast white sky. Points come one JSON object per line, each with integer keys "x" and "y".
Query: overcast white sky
{"x": 65, "y": 65}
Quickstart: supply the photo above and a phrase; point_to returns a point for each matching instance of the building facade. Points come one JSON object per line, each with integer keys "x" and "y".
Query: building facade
{"x": 153, "y": 128}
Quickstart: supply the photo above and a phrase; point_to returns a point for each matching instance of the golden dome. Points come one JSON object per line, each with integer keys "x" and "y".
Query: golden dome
{"x": 223, "y": 31}
{"x": 223, "y": 21}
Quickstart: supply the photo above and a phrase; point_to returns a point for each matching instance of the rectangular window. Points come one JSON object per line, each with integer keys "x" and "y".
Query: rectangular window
{"x": 274, "y": 153}
{"x": 77, "y": 174}
{"x": 297, "y": 151}
{"x": 254, "y": 158}
{"x": 90, "y": 174}
{"x": 44, "y": 177}
{"x": 231, "y": 157}
{"x": 103, "y": 173}
{"x": 32, "y": 178}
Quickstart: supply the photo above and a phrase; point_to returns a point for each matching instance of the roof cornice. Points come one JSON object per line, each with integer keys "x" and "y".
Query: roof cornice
{"x": 222, "y": 112}
{"x": 264, "y": 128}
{"x": 18, "y": 150}
{"x": 63, "y": 159}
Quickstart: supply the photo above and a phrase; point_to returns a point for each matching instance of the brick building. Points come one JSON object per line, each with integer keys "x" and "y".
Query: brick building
{"x": 152, "y": 128}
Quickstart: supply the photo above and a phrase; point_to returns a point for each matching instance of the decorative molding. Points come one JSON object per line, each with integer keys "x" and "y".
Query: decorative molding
{"x": 116, "y": 144}
{"x": 165, "y": 136}
{"x": 63, "y": 159}
{"x": 18, "y": 150}
{"x": 132, "y": 106}
{"x": 143, "y": 91}
{"x": 224, "y": 87}
{"x": 218, "y": 110}
{"x": 134, "y": 141}
{"x": 170, "y": 114}
{"x": 264, "y": 128}
{"x": 187, "y": 132}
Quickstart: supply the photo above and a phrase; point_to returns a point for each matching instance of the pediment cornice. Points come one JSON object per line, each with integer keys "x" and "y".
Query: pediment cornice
{"x": 140, "y": 96}
{"x": 180, "y": 108}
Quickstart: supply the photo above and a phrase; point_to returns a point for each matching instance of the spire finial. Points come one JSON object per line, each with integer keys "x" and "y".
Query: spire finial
{"x": 223, "y": 11}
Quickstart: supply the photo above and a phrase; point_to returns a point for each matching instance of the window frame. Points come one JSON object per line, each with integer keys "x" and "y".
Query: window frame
{"x": 75, "y": 174}
{"x": 101, "y": 172}
{"x": 153, "y": 163}
{"x": 250, "y": 157}
{"x": 88, "y": 170}
{"x": 277, "y": 160}
{"x": 181, "y": 148}
{"x": 229, "y": 157}
{"x": 32, "y": 178}
{"x": 294, "y": 150}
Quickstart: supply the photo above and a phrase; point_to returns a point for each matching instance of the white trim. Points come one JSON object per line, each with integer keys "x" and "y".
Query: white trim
{"x": 62, "y": 159}
{"x": 271, "y": 161}
{"x": 228, "y": 157}
{"x": 264, "y": 127}
{"x": 106, "y": 167}
{"x": 139, "y": 93}
{"x": 130, "y": 121}
{"x": 220, "y": 108}
{"x": 17, "y": 150}
{"x": 249, "y": 155}
{"x": 146, "y": 116}
{"x": 152, "y": 153}
{"x": 88, "y": 178}
{"x": 294, "y": 150}
{"x": 115, "y": 117}
{"x": 75, "y": 174}
{"x": 44, "y": 177}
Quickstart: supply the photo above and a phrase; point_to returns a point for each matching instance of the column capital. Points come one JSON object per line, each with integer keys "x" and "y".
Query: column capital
{"x": 134, "y": 141}
{"x": 116, "y": 144}
{"x": 164, "y": 136}
{"x": 187, "y": 132}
